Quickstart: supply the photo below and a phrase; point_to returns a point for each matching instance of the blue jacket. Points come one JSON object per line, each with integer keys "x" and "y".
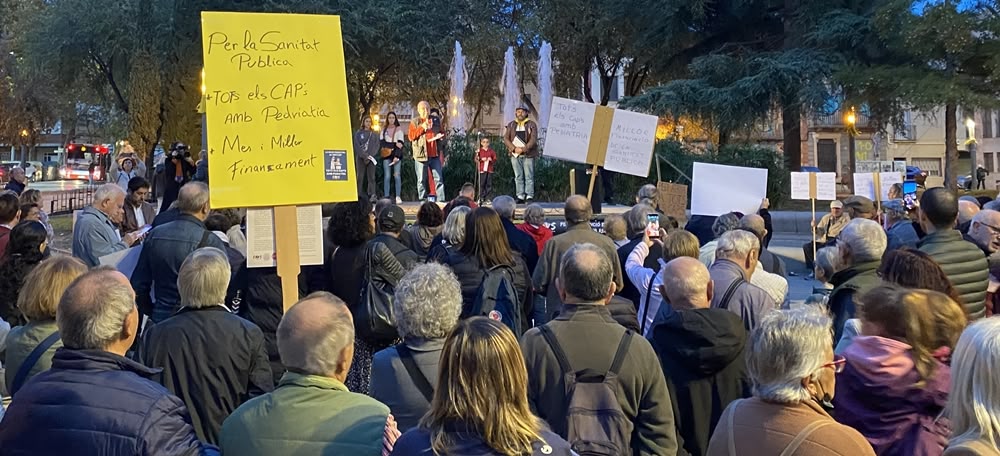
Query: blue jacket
{"x": 417, "y": 442}
{"x": 901, "y": 234}
{"x": 163, "y": 252}
{"x": 94, "y": 236}
{"x": 96, "y": 402}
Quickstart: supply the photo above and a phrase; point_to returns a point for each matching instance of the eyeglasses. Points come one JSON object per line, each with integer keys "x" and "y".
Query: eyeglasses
{"x": 837, "y": 364}
{"x": 995, "y": 230}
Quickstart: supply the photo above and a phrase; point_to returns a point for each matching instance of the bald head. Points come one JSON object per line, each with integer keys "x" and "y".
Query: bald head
{"x": 193, "y": 199}
{"x": 967, "y": 210}
{"x": 578, "y": 210}
{"x": 585, "y": 275}
{"x": 316, "y": 337}
{"x": 97, "y": 312}
{"x": 687, "y": 284}
{"x": 754, "y": 224}
{"x": 985, "y": 230}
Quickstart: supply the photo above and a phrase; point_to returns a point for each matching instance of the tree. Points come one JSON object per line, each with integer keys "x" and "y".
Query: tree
{"x": 895, "y": 57}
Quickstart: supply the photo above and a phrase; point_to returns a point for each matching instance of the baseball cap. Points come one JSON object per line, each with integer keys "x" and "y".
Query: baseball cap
{"x": 836, "y": 205}
{"x": 391, "y": 219}
{"x": 523, "y": 108}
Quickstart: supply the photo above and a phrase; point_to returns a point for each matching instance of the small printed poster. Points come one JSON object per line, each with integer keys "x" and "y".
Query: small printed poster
{"x": 336, "y": 165}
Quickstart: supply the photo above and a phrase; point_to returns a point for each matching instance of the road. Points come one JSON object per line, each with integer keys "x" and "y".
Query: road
{"x": 789, "y": 247}
{"x": 53, "y": 186}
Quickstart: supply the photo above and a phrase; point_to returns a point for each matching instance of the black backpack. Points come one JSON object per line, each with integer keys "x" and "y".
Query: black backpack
{"x": 595, "y": 422}
{"x": 497, "y": 299}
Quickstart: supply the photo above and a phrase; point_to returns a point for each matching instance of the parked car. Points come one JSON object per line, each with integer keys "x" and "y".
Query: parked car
{"x": 965, "y": 181}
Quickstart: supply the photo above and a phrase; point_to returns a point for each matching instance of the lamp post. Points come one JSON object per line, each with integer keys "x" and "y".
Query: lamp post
{"x": 970, "y": 126}
{"x": 24, "y": 145}
{"x": 851, "y": 120}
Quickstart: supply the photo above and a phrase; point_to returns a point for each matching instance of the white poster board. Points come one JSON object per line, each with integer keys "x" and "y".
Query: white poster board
{"x": 719, "y": 189}
{"x": 826, "y": 186}
{"x": 630, "y": 147}
{"x": 864, "y": 184}
{"x": 570, "y": 125}
{"x": 124, "y": 261}
{"x": 261, "y": 250}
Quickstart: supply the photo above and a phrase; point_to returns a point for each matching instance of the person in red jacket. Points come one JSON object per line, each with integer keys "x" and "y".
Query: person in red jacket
{"x": 486, "y": 159}
{"x": 534, "y": 225}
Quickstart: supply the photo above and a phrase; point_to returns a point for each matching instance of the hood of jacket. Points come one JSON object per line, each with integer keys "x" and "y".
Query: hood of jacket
{"x": 704, "y": 341}
{"x": 885, "y": 368}
{"x": 425, "y": 234}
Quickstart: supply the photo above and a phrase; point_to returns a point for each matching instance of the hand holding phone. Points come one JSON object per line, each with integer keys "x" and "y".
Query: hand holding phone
{"x": 653, "y": 226}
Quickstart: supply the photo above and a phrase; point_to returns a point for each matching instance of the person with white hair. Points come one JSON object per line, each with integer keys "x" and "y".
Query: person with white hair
{"x": 311, "y": 411}
{"x": 861, "y": 245}
{"x": 735, "y": 262}
{"x": 974, "y": 398}
{"x": 427, "y": 306}
{"x": 647, "y": 195}
{"x": 95, "y": 233}
{"x": 94, "y": 400}
{"x": 701, "y": 350}
{"x": 212, "y": 359}
{"x": 452, "y": 235}
{"x": 792, "y": 367}
{"x": 725, "y": 222}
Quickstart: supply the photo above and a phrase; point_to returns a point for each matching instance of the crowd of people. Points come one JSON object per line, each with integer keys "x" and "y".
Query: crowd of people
{"x": 470, "y": 333}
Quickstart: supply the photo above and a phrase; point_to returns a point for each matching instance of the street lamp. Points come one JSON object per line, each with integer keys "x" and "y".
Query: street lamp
{"x": 970, "y": 126}
{"x": 851, "y": 120}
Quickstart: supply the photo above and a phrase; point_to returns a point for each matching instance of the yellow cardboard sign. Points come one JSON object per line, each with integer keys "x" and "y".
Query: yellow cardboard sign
{"x": 279, "y": 127}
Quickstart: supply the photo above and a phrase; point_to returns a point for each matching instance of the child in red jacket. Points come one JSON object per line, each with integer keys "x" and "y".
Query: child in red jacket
{"x": 485, "y": 160}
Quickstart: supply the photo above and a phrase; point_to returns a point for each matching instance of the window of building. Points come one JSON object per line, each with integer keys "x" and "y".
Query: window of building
{"x": 931, "y": 165}
{"x": 988, "y": 161}
{"x": 987, "y": 124}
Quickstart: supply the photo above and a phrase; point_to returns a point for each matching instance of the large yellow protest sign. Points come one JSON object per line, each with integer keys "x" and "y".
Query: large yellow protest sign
{"x": 279, "y": 127}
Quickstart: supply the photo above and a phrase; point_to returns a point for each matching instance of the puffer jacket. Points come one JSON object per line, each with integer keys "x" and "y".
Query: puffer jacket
{"x": 964, "y": 264}
{"x": 96, "y": 402}
{"x": 876, "y": 394}
{"x": 470, "y": 275}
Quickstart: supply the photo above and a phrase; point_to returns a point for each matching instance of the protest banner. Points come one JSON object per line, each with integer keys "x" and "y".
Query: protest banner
{"x": 278, "y": 120}
{"x": 719, "y": 189}
{"x": 814, "y": 186}
{"x": 615, "y": 139}
{"x": 672, "y": 199}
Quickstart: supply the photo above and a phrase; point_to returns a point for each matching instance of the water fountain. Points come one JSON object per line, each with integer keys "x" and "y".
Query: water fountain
{"x": 544, "y": 84}
{"x": 509, "y": 87}
{"x": 456, "y": 98}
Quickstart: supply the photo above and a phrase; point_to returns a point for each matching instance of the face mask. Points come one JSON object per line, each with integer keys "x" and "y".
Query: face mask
{"x": 824, "y": 401}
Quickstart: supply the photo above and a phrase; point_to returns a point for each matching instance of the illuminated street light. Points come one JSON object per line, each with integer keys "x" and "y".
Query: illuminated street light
{"x": 24, "y": 133}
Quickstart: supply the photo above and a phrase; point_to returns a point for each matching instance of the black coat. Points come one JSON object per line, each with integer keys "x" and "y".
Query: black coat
{"x": 407, "y": 258}
{"x": 212, "y": 360}
{"x": 470, "y": 275}
{"x": 260, "y": 301}
{"x": 97, "y": 402}
{"x": 344, "y": 274}
{"x": 702, "y": 354}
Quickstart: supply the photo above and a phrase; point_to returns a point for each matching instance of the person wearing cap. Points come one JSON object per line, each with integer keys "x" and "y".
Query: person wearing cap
{"x": 521, "y": 138}
{"x": 828, "y": 228}
{"x": 898, "y": 227}
{"x": 858, "y": 206}
{"x": 389, "y": 223}
{"x": 424, "y": 134}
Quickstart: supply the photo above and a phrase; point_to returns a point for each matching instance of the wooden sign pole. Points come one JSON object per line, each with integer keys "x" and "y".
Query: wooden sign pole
{"x": 572, "y": 181}
{"x": 286, "y": 241}
{"x": 812, "y": 198}
{"x": 600, "y": 134}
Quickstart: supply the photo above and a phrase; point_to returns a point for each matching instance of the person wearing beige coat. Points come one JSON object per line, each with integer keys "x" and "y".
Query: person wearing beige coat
{"x": 793, "y": 369}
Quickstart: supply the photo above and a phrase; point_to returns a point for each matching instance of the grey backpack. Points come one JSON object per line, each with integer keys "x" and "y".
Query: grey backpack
{"x": 595, "y": 422}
